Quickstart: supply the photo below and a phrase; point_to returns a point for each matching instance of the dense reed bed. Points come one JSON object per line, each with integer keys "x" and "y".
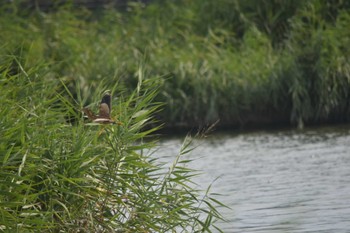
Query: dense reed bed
{"x": 241, "y": 62}
{"x": 57, "y": 176}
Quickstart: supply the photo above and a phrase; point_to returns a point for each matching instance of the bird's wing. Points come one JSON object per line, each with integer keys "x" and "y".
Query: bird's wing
{"x": 104, "y": 111}
{"x": 106, "y": 99}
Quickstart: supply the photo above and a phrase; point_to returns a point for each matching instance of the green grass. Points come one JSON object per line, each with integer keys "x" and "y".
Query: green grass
{"x": 61, "y": 174}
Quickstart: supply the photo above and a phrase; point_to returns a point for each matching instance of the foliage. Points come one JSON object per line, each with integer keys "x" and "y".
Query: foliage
{"x": 243, "y": 62}
{"x": 62, "y": 177}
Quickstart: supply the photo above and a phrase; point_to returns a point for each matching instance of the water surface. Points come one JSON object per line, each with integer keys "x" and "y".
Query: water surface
{"x": 276, "y": 181}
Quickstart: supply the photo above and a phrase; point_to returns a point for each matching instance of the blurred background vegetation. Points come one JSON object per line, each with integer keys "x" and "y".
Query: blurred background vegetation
{"x": 246, "y": 63}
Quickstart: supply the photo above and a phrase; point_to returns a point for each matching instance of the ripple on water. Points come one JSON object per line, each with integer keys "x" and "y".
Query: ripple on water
{"x": 282, "y": 181}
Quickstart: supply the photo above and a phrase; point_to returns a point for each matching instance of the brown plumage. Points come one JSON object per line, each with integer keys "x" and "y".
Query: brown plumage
{"x": 103, "y": 116}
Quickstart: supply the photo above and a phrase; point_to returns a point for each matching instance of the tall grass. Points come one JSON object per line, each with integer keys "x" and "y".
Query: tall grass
{"x": 242, "y": 62}
{"x": 61, "y": 177}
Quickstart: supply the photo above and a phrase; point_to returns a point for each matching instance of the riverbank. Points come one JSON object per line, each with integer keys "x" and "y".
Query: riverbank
{"x": 243, "y": 63}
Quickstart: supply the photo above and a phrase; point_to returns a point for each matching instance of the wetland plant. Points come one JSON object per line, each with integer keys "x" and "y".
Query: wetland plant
{"x": 58, "y": 174}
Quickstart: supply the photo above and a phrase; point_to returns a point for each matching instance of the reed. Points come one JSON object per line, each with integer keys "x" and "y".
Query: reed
{"x": 73, "y": 177}
{"x": 241, "y": 62}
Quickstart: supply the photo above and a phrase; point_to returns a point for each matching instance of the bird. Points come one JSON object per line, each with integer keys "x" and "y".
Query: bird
{"x": 103, "y": 116}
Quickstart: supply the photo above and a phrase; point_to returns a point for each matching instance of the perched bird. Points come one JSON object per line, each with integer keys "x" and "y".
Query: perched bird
{"x": 103, "y": 116}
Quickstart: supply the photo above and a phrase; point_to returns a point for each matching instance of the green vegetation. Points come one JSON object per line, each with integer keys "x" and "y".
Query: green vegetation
{"x": 242, "y": 62}
{"x": 61, "y": 177}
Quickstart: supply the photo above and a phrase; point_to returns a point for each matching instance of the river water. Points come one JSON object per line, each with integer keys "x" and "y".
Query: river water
{"x": 275, "y": 181}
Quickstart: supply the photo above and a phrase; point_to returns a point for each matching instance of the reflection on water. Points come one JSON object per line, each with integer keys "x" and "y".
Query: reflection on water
{"x": 281, "y": 181}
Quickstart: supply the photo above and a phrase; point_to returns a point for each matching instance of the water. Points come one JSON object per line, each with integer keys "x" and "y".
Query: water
{"x": 276, "y": 181}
